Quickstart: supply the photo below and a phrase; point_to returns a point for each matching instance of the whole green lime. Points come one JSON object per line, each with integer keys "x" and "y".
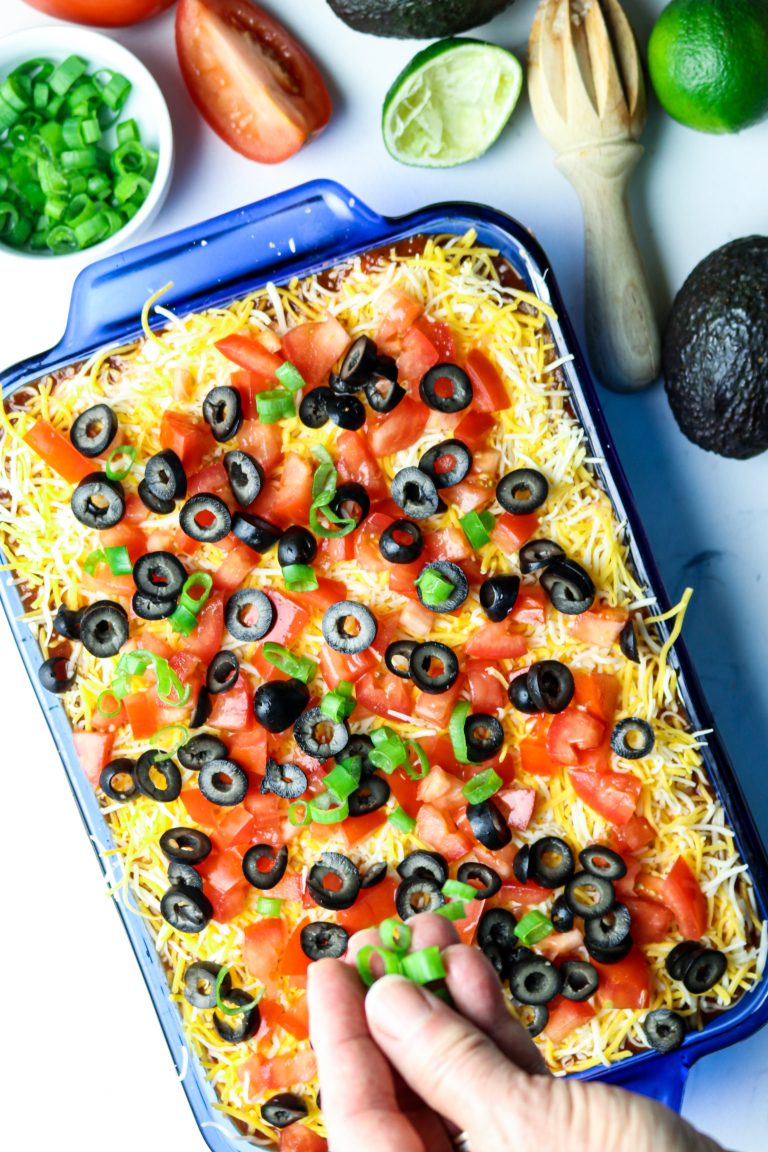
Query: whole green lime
{"x": 708, "y": 61}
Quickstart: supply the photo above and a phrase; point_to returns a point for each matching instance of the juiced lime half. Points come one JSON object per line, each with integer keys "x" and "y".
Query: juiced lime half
{"x": 450, "y": 103}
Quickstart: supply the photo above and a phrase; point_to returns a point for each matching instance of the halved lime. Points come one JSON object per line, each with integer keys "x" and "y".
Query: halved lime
{"x": 450, "y": 103}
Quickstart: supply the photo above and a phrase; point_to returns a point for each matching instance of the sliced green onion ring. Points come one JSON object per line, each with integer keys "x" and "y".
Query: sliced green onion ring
{"x": 456, "y": 890}
{"x": 400, "y": 819}
{"x": 290, "y": 377}
{"x": 236, "y": 1010}
{"x": 390, "y": 961}
{"x": 533, "y": 928}
{"x": 269, "y": 906}
{"x": 482, "y": 786}
{"x": 424, "y": 966}
{"x": 299, "y": 667}
{"x": 456, "y": 731}
{"x": 453, "y": 910}
{"x": 395, "y": 935}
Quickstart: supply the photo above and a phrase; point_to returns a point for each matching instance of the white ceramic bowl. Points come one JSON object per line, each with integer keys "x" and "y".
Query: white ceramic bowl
{"x": 145, "y": 104}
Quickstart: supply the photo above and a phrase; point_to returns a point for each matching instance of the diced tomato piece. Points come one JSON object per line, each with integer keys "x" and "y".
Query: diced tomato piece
{"x": 359, "y": 828}
{"x": 436, "y": 709}
{"x": 406, "y": 792}
{"x": 248, "y": 384}
{"x": 93, "y": 751}
{"x": 212, "y": 478}
{"x": 249, "y": 749}
{"x": 519, "y": 804}
{"x": 356, "y": 462}
{"x": 599, "y": 626}
{"x": 187, "y": 436}
{"x": 571, "y": 730}
{"x": 397, "y": 429}
{"x": 228, "y": 905}
{"x": 535, "y": 759}
{"x": 441, "y": 789}
{"x": 624, "y": 886}
{"x": 559, "y": 944}
{"x": 447, "y": 544}
{"x": 486, "y": 692}
{"x": 263, "y": 441}
{"x": 384, "y": 694}
{"x": 223, "y": 869}
{"x": 417, "y": 355}
{"x": 263, "y": 943}
{"x": 398, "y": 311}
{"x": 238, "y": 563}
{"x": 337, "y": 550}
{"x": 527, "y": 894}
{"x": 290, "y": 620}
{"x": 233, "y": 710}
{"x": 290, "y": 1070}
{"x": 128, "y": 536}
{"x": 496, "y": 641}
{"x": 682, "y": 894}
{"x": 511, "y": 532}
{"x": 366, "y": 543}
{"x": 371, "y": 907}
{"x": 467, "y": 926}
{"x": 565, "y": 1016}
{"x": 205, "y": 641}
{"x": 314, "y": 348}
{"x": 299, "y": 1138}
{"x": 625, "y": 984}
{"x": 439, "y": 831}
{"x": 414, "y": 617}
{"x": 248, "y": 352}
{"x": 613, "y": 795}
{"x": 441, "y": 335}
{"x": 236, "y": 827}
{"x": 288, "y": 500}
{"x": 58, "y": 452}
{"x": 633, "y": 836}
{"x": 266, "y": 807}
{"x": 530, "y": 607}
{"x": 468, "y": 496}
{"x": 598, "y": 693}
{"x": 294, "y": 1019}
{"x": 402, "y": 579}
{"x": 335, "y": 666}
{"x": 651, "y": 922}
{"x": 141, "y": 710}
{"x": 188, "y": 669}
{"x": 294, "y": 961}
{"x": 439, "y": 752}
{"x": 320, "y": 599}
{"x": 489, "y": 392}
{"x": 474, "y": 426}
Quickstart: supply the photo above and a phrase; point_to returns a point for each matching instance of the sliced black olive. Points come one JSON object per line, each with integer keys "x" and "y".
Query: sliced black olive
{"x": 522, "y": 491}
{"x": 373, "y": 874}
{"x": 297, "y": 546}
{"x": 56, "y": 674}
{"x": 664, "y": 1029}
{"x": 561, "y": 915}
{"x": 383, "y": 394}
{"x": 118, "y": 780}
{"x": 489, "y": 881}
{"x": 223, "y": 412}
{"x": 522, "y": 863}
{"x": 372, "y": 794}
{"x": 361, "y": 745}
{"x": 345, "y": 411}
{"x": 236, "y": 1029}
{"x": 498, "y": 596}
{"x": 181, "y": 873}
{"x": 256, "y": 532}
{"x": 352, "y": 502}
{"x": 446, "y": 388}
{"x": 484, "y": 735}
{"x": 519, "y": 696}
{"x": 158, "y": 779}
{"x": 418, "y": 894}
{"x": 188, "y": 844}
{"x": 66, "y": 623}
{"x": 498, "y": 958}
{"x": 386, "y": 366}
{"x": 150, "y": 608}
{"x": 520, "y": 952}
{"x": 609, "y": 930}
{"x": 705, "y": 970}
{"x": 488, "y": 825}
{"x": 434, "y": 667}
{"x": 319, "y": 736}
{"x": 580, "y": 979}
{"x": 426, "y": 865}
{"x": 285, "y": 780}
{"x": 222, "y": 673}
{"x": 205, "y": 518}
{"x": 223, "y": 782}
{"x": 276, "y": 860}
{"x": 681, "y": 956}
{"x": 164, "y": 478}
{"x": 497, "y": 926}
{"x": 447, "y": 463}
{"x": 414, "y": 492}
{"x": 349, "y": 627}
{"x": 245, "y": 476}
{"x": 94, "y": 430}
{"x": 154, "y": 502}
{"x": 283, "y": 1109}
{"x": 98, "y": 502}
{"x": 551, "y": 862}
{"x": 104, "y": 628}
{"x": 340, "y": 387}
{"x": 632, "y": 738}
{"x": 602, "y": 861}
{"x": 568, "y": 586}
{"x": 202, "y": 709}
{"x": 359, "y": 360}
{"x": 313, "y": 410}
{"x": 344, "y": 873}
{"x": 321, "y": 939}
{"x": 589, "y": 896}
{"x": 278, "y": 703}
{"x": 610, "y": 955}
{"x": 628, "y": 645}
{"x": 200, "y": 984}
{"x": 534, "y": 980}
{"x": 397, "y": 658}
{"x": 249, "y": 614}
{"x": 534, "y": 1018}
{"x": 537, "y": 554}
{"x": 201, "y": 750}
{"x": 550, "y": 685}
{"x": 455, "y": 576}
{"x": 401, "y": 542}
{"x": 186, "y": 909}
{"x": 160, "y": 575}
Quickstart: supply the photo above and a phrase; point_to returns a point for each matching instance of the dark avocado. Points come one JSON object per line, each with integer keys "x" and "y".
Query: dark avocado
{"x": 716, "y": 351}
{"x": 416, "y": 19}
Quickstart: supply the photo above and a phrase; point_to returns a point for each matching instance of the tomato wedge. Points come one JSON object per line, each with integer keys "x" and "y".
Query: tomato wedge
{"x": 610, "y": 794}
{"x": 58, "y": 452}
{"x": 683, "y": 896}
{"x": 254, "y": 84}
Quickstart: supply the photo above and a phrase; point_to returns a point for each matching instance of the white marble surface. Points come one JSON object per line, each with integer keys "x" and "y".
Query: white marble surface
{"x": 78, "y": 1027}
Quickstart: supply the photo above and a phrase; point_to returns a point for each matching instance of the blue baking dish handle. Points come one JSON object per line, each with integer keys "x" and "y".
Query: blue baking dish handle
{"x": 318, "y": 221}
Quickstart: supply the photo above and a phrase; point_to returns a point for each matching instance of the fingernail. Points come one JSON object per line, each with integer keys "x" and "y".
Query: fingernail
{"x": 397, "y": 1007}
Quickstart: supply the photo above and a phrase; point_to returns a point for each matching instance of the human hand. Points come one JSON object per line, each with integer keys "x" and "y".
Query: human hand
{"x": 400, "y": 1071}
